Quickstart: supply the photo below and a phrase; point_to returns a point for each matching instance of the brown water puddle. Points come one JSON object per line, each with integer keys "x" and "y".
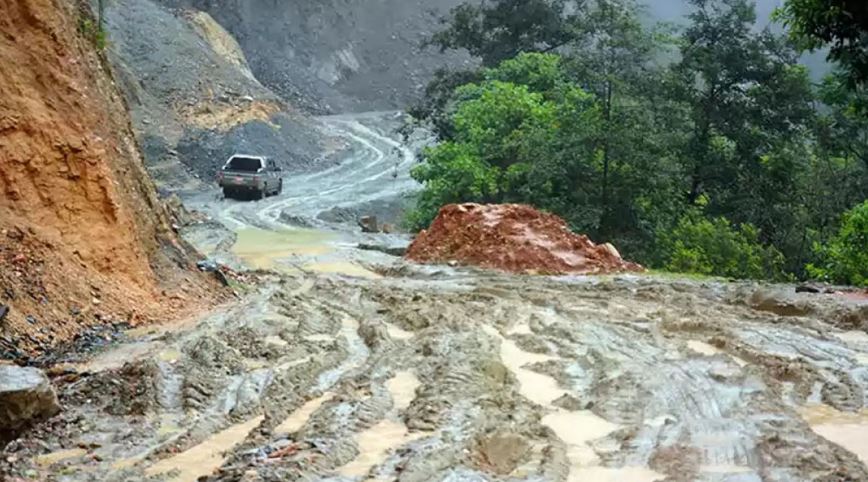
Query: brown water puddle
{"x": 403, "y": 387}
{"x": 376, "y": 442}
{"x": 61, "y": 455}
{"x": 710, "y": 350}
{"x": 575, "y": 429}
{"x": 345, "y": 268}
{"x": 397, "y": 333}
{"x": 538, "y": 388}
{"x": 263, "y": 249}
{"x": 205, "y": 458}
{"x": 299, "y": 418}
{"x": 849, "y": 430}
{"x": 620, "y": 474}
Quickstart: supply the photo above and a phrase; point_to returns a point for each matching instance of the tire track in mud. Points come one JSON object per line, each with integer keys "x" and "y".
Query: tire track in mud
{"x": 492, "y": 378}
{"x": 357, "y": 179}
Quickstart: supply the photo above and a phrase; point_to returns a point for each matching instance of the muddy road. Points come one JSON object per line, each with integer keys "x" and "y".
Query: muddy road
{"x": 346, "y": 365}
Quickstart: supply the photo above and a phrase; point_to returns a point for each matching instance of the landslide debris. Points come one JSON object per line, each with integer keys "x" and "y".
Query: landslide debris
{"x": 333, "y": 56}
{"x": 194, "y": 99}
{"x": 479, "y": 377}
{"x": 26, "y": 396}
{"x": 514, "y": 238}
{"x": 83, "y": 238}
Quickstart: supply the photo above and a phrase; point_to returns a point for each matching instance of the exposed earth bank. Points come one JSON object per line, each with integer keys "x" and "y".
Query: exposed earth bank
{"x": 337, "y": 56}
{"x": 83, "y": 238}
{"x": 194, "y": 100}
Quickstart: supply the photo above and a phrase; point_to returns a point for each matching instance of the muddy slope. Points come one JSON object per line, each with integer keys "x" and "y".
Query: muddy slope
{"x": 83, "y": 238}
{"x": 194, "y": 98}
{"x": 335, "y": 56}
{"x": 474, "y": 377}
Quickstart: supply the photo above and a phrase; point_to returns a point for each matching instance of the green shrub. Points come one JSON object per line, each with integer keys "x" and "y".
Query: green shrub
{"x": 92, "y": 31}
{"x": 845, "y": 256}
{"x": 716, "y": 247}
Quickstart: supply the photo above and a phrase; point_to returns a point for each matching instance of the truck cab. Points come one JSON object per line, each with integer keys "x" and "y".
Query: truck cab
{"x": 256, "y": 176}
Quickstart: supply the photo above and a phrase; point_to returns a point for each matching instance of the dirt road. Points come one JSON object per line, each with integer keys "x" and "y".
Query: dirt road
{"x": 402, "y": 372}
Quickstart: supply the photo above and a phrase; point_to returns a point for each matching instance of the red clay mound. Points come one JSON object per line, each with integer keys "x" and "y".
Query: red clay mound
{"x": 514, "y": 238}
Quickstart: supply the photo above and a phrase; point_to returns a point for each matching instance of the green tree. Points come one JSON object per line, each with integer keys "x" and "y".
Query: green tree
{"x": 842, "y": 25}
{"x": 512, "y": 144}
{"x": 716, "y": 247}
{"x": 750, "y": 112}
{"x": 845, "y": 256}
{"x": 498, "y": 30}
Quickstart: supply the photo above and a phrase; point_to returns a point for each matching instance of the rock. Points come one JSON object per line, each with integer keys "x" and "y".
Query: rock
{"x": 390, "y": 250}
{"x": 26, "y": 396}
{"x": 287, "y": 217}
{"x": 808, "y": 288}
{"x": 778, "y": 302}
{"x": 369, "y": 224}
{"x": 207, "y": 266}
{"x": 388, "y": 228}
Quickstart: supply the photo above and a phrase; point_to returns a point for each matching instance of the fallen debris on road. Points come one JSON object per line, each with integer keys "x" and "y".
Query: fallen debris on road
{"x": 513, "y": 238}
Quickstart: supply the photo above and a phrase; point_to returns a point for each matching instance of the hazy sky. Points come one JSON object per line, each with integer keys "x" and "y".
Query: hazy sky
{"x": 674, "y": 9}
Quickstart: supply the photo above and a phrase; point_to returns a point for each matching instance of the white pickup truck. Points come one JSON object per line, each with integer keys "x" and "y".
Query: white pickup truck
{"x": 252, "y": 175}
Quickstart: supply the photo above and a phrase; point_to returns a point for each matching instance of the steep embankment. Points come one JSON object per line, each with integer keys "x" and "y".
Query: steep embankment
{"x": 83, "y": 237}
{"x": 194, "y": 99}
{"x": 337, "y": 55}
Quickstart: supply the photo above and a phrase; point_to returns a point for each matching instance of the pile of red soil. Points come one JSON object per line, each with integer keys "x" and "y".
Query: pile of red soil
{"x": 513, "y": 238}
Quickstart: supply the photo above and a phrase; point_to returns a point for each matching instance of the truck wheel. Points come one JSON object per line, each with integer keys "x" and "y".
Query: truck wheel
{"x": 280, "y": 187}
{"x": 260, "y": 194}
{"x": 228, "y": 193}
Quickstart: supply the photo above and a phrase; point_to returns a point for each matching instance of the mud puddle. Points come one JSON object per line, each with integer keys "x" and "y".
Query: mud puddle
{"x": 479, "y": 377}
{"x": 849, "y": 430}
{"x": 375, "y": 444}
{"x": 299, "y": 418}
{"x": 206, "y": 457}
{"x": 387, "y": 435}
{"x": 265, "y": 249}
{"x": 709, "y": 350}
{"x": 577, "y": 429}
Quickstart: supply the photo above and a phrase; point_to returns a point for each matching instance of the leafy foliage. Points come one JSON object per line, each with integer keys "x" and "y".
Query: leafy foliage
{"x": 501, "y": 29}
{"x": 845, "y": 257}
{"x": 716, "y": 247}
{"x": 840, "y": 24}
{"x": 727, "y": 145}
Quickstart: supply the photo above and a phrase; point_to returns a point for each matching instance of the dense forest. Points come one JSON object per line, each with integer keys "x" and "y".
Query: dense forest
{"x": 704, "y": 148}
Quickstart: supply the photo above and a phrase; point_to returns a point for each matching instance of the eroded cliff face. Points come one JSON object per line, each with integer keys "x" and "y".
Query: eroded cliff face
{"x": 337, "y": 55}
{"x": 193, "y": 98}
{"x": 83, "y": 237}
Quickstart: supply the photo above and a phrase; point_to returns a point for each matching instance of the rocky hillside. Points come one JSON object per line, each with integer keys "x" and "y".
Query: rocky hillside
{"x": 194, "y": 98}
{"x": 336, "y": 55}
{"x": 83, "y": 237}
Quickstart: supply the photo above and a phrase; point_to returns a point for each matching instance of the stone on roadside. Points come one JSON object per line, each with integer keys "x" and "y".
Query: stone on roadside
{"x": 369, "y": 224}
{"x": 26, "y": 396}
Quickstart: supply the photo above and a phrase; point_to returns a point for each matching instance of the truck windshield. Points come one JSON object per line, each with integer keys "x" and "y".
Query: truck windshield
{"x": 244, "y": 164}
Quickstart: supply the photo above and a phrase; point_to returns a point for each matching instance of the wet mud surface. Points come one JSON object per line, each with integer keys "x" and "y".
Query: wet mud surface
{"x": 347, "y": 365}
{"x": 470, "y": 377}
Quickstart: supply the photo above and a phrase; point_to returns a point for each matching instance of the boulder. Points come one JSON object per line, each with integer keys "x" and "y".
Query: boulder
{"x": 369, "y": 224}
{"x": 26, "y": 396}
